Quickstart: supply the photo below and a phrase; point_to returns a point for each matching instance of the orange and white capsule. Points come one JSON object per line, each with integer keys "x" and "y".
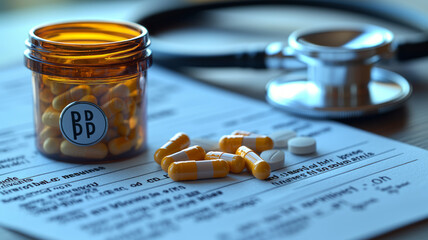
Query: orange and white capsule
{"x": 192, "y": 170}
{"x": 178, "y": 142}
{"x": 255, "y": 164}
{"x": 236, "y": 163}
{"x": 230, "y": 143}
{"x": 241, "y": 132}
{"x": 191, "y": 153}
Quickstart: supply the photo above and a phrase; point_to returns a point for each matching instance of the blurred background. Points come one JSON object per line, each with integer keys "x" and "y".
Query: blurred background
{"x": 224, "y": 29}
{"x": 212, "y": 31}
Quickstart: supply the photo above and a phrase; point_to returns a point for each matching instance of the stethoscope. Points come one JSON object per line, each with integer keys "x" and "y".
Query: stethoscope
{"x": 341, "y": 80}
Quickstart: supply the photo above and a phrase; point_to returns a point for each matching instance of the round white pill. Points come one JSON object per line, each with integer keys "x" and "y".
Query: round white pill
{"x": 280, "y": 138}
{"x": 206, "y": 144}
{"x": 302, "y": 145}
{"x": 275, "y": 158}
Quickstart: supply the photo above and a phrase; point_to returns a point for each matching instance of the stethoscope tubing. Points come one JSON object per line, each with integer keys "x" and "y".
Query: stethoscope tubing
{"x": 162, "y": 17}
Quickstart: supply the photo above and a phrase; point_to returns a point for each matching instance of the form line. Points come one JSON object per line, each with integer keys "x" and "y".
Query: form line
{"x": 252, "y": 178}
{"x": 26, "y": 168}
{"x": 356, "y": 179}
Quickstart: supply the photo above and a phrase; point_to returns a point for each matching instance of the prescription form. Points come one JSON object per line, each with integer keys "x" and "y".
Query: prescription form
{"x": 356, "y": 185}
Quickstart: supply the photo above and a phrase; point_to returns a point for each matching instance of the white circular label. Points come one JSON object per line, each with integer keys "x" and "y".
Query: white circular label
{"x": 83, "y": 123}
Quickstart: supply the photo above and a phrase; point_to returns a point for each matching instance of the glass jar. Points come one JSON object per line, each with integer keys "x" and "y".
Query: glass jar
{"x": 89, "y": 87}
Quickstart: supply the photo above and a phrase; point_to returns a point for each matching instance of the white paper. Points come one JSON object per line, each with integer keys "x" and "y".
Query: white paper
{"x": 356, "y": 185}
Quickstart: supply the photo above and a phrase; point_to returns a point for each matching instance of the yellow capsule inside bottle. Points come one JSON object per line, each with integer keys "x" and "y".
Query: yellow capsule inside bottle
{"x": 193, "y": 170}
{"x": 93, "y": 63}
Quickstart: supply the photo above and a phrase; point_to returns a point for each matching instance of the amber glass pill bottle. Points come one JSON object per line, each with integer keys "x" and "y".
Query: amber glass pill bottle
{"x": 89, "y": 86}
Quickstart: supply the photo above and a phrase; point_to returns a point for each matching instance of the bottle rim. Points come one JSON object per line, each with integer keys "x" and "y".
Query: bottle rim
{"x": 144, "y": 35}
{"x": 97, "y": 52}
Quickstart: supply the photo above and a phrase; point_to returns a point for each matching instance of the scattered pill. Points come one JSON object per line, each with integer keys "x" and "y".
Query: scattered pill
{"x": 302, "y": 145}
{"x": 241, "y": 132}
{"x": 207, "y": 144}
{"x": 51, "y": 145}
{"x": 280, "y": 138}
{"x": 230, "y": 143}
{"x": 178, "y": 142}
{"x": 190, "y": 153}
{"x": 255, "y": 164}
{"x": 275, "y": 158}
{"x": 192, "y": 170}
{"x": 236, "y": 162}
{"x": 97, "y": 151}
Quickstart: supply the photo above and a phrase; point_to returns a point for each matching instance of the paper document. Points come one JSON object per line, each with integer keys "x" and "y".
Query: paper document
{"x": 356, "y": 185}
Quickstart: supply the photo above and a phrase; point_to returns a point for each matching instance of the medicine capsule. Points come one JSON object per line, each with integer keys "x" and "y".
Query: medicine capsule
{"x": 58, "y": 88}
{"x": 113, "y": 106}
{"x": 97, "y": 151}
{"x": 116, "y": 120}
{"x": 49, "y": 132}
{"x": 89, "y": 98}
{"x": 241, "y": 132}
{"x": 46, "y": 96}
{"x": 51, "y": 117}
{"x": 280, "y": 138}
{"x": 255, "y": 164}
{"x": 131, "y": 84}
{"x": 236, "y": 163}
{"x": 190, "y": 153}
{"x": 178, "y": 142}
{"x": 100, "y": 90}
{"x": 206, "y": 144}
{"x": 123, "y": 129}
{"x": 133, "y": 122}
{"x": 51, "y": 145}
{"x": 192, "y": 170}
{"x": 120, "y": 91}
{"x": 74, "y": 94}
{"x": 230, "y": 143}
{"x": 120, "y": 145}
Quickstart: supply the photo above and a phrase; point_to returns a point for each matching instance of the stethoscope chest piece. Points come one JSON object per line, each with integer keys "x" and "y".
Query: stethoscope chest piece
{"x": 340, "y": 81}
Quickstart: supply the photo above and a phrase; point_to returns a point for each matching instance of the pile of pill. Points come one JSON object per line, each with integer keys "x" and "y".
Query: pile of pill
{"x": 121, "y": 102}
{"x": 234, "y": 152}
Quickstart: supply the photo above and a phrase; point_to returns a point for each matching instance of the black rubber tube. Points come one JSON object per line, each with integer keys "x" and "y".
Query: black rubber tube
{"x": 160, "y": 19}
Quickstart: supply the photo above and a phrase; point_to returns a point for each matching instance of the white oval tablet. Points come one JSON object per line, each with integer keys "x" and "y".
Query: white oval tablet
{"x": 206, "y": 144}
{"x": 302, "y": 145}
{"x": 280, "y": 138}
{"x": 275, "y": 158}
